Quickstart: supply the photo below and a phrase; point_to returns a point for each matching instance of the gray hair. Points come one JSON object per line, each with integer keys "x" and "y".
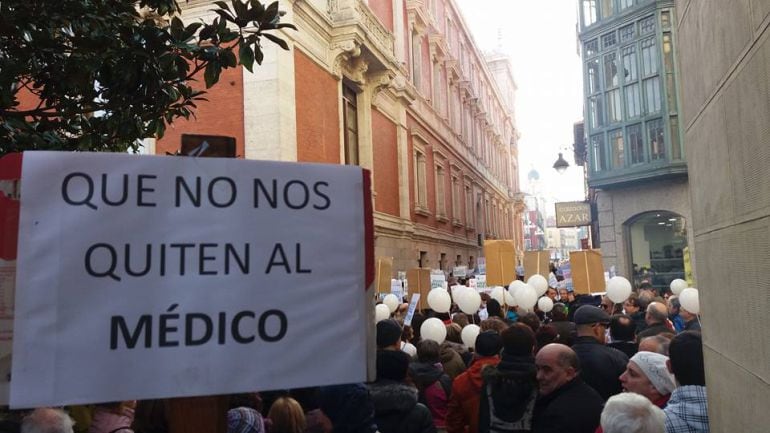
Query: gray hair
{"x": 629, "y": 412}
{"x": 47, "y": 420}
{"x": 658, "y": 312}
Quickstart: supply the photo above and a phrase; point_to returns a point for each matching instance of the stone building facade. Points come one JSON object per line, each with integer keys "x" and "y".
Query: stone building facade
{"x": 397, "y": 87}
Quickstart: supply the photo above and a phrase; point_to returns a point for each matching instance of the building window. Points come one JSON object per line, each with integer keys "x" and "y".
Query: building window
{"x": 635, "y": 143}
{"x": 592, "y": 67}
{"x": 668, "y": 67}
{"x": 440, "y": 192}
{"x": 633, "y": 101}
{"x": 647, "y": 25}
{"x": 627, "y": 33}
{"x": 592, "y": 47}
{"x": 468, "y": 206}
{"x": 350, "y": 118}
{"x": 618, "y": 150}
{"x": 614, "y": 109}
{"x": 608, "y": 8}
{"x": 416, "y": 59}
{"x": 676, "y": 147}
{"x": 609, "y": 40}
{"x": 597, "y": 150}
{"x": 656, "y": 138}
{"x": 610, "y": 70}
{"x": 596, "y": 111}
{"x": 421, "y": 186}
{"x": 649, "y": 57}
{"x": 456, "y": 194}
{"x": 625, "y": 4}
{"x": 652, "y": 95}
{"x": 630, "y": 72}
{"x": 589, "y": 12}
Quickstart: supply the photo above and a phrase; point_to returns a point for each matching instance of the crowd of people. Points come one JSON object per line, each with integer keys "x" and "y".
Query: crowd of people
{"x": 588, "y": 365}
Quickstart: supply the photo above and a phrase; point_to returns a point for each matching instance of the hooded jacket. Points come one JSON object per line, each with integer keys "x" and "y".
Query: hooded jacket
{"x": 434, "y": 387}
{"x": 452, "y": 361}
{"x": 687, "y": 410}
{"x": 396, "y": 409}
{"x": 508, "y": 395}
{"x": 463, "y": 413}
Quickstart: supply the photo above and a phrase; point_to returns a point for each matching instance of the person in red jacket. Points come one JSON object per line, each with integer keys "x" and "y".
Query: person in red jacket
{"x": 463, "y": 410}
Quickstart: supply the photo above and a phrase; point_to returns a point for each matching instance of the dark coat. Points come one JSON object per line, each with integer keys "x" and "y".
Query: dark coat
{"x": 567, "y": 331}
{"x": 600, "y": 366}
{"x": 658, "y": 328}
{"x": 692, "y": 325}
{"x": 508, "y": 395}
{"x": 640, "y": 319}
{"x": 573, "y": 408}
{"x": 396, "y": 409}
{"x": 628, "y": 347}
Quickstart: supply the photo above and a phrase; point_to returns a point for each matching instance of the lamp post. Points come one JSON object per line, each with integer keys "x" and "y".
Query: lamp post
{"x": 561, "y": 164}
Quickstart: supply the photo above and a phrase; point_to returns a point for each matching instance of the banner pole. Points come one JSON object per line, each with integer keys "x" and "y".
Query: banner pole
{"x": 588, "y": 275}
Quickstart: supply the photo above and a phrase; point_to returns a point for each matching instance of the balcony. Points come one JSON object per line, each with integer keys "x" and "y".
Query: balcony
{"x": 627, "y": 176}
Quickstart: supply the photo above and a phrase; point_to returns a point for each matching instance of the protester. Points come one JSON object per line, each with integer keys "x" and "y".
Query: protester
{"x": 631, "y": 413}
{"x": 286, "y": 415}
{"x": 656, "y": 319}
{"x": 493, "y": 324}
{"x": 433, "y": 385}
{"x": 112, "y": 417}
{"x": 244, "y": 420}
{"x": 463, "y": 412}
{"x": 530, "y": 319}
{"x": 687, "y": 409}
{"x": 673, "y": 313}
{"x": 509, "y": 388}
{"x": 388, "y": 335}
{"x": 551, "y": 293}
{"x": 656, "y": 343}
{"x": 623, "y": 334}
{"x": 396, "y": 405}
{"x": 150, "y": 417}
{"x": 566, "y": 329}
{"x": 610, "y": 307}
{"x": 310, "y": 399}
{"x": 349, "y": 407}
{"x": 647, "y": 374}
{"x": 691, "y": 321}
{"x": 601, "y": 365}
{"x": 546, "y": 335}
{"x": 633, "y": 308}
{"x": 47, "y": 420}
{"x": 566, "y": 404}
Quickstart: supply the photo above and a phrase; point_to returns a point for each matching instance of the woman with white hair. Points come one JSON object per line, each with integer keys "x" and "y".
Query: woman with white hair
{"x": 629, "y": 412}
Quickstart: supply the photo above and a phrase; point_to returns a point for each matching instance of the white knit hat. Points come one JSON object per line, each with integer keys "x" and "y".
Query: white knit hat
{"x": 654, "y": 367}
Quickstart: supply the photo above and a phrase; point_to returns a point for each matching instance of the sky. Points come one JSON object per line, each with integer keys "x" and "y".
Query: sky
{"x": 540, "y": 40}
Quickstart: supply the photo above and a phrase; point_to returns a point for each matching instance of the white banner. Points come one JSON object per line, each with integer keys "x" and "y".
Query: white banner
{"x": 144, "y": 277}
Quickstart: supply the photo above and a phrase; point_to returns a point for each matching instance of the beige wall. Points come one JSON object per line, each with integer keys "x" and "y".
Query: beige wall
{"x": 724, "y": 59}
{"x": 617, "y": 206}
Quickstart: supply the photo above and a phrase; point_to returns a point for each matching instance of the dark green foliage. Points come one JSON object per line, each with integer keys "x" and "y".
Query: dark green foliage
{"x": 107, "y": 73}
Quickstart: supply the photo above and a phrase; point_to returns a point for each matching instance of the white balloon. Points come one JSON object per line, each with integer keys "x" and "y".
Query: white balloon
{"x": 689, "y": 300}
{"x": 545, "y": 304}
{"x": 409, "y": 349}
{"x": 469, "y": 334}
{"x": 433, "y": 329}
{"x": 678, "y": 285}
{"x": 381, "y": 312}
{"x": 469, "y": 301}
{"x": 618, "y": 289}
{"x": 539, "y": 283}
{"x": 391, "y": 301}
{"x": 513, "y": 288}
{"x": 439, "y": 300}
{"x": 526, "y": 297}
{"x": 498, "y": 294}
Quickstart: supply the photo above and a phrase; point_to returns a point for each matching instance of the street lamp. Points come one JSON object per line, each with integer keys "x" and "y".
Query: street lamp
{"x": 561, "y": 164}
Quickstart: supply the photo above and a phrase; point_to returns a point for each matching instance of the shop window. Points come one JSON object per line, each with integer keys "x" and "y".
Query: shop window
{"x": 658, "y": 242}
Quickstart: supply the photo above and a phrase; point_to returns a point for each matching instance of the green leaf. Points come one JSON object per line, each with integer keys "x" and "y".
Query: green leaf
{"x": 259, "y": 55}
{"x": 246, "y": 56}
{"x": 211, "y": 75}
{"x": 228, "y": 59}
{"x": 222, "y": 5}
{"x": 271, "y": 13}
{"x": 277, "y": 40}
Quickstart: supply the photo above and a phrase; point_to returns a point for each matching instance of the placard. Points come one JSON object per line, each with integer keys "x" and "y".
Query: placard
{"x": 383, "y": 271}
{"x": 397, "y": 289}
{"x": 536, "y": 262}
{"x": 419, "y": 282}
{"x": 437, "y": 280}
{"x": 481, "y": 264}
{"x": 587, "y": 271}
{"x": 460, "y": 271}
{"x": 500, "y": 262}
{"x": 410, "y": 311}
{"x": 481, "y": 283}
{"x": 169, "y": 272}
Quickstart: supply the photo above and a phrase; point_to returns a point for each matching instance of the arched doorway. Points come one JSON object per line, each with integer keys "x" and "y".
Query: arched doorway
{"x": 657, "y": 243}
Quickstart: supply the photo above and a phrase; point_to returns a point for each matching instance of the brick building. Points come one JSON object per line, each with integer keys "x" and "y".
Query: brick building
{"x": 397, "y": 87}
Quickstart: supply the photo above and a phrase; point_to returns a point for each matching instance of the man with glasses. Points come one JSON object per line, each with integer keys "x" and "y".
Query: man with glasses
{"x": 601, "y": 365}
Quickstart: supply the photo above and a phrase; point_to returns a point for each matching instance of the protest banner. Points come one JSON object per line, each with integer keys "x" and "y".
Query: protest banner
{"x": 419, "y": 282}
{"x": 536, "y": 263}
{"x": 168, "y": 272}
{"x": 10, "y": 181}
{"x": 383, "y": 273}
{"x": 397, "y": 289}
{"x": 481, "y": 284}
{"x": 437, "y": 279}
{"x": 500, "y": 262}
{"x": 481, "y": 264}
{"x": 410, "y": 311}
{"x": 460, "y": 271}
{"x": 587, "y": 271}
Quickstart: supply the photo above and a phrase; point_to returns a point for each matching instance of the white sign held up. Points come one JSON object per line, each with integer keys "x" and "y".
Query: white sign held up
{"x": 186, "y": 276}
